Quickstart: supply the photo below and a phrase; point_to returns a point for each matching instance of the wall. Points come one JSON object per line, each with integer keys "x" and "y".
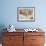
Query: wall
{"x": 9, "y": 13}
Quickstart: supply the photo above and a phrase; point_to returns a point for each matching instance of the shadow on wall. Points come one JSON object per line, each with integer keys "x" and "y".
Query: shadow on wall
{"x": 2, "y": 27}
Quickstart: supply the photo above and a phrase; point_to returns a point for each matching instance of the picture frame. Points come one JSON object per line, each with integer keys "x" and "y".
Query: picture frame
{"x": 26, "y": 14}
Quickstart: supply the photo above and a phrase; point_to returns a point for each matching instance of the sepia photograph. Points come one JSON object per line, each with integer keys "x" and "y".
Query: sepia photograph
{"x": 26, "y": 14}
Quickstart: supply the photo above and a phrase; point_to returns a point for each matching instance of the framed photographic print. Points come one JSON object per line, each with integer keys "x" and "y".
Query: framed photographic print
{"x": 26, "y": 14}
